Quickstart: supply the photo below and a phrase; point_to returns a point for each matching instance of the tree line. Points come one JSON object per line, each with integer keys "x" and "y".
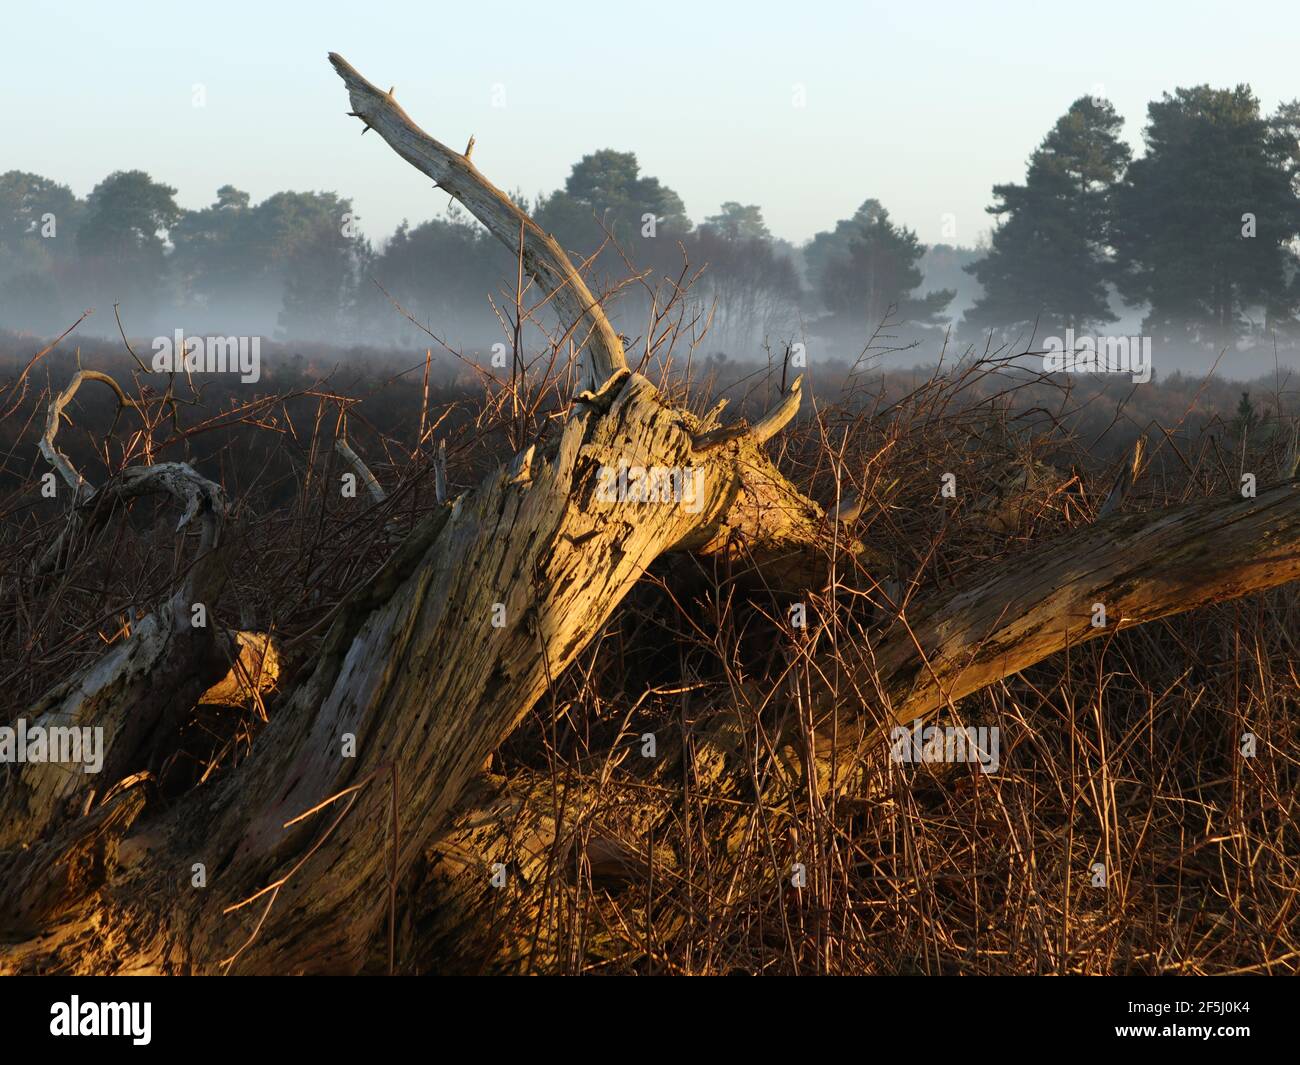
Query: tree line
{"x": 1200, "y": 231}
{"x": 1199, "y": 234}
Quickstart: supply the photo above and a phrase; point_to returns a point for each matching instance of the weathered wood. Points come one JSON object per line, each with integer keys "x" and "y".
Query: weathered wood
{"x": 435, "y": 659}
{"x": 157, "y": 672}
{"x": 1140, "y": 567}
{"x": 543, "y": 257}
{"x": 429, "y": 668}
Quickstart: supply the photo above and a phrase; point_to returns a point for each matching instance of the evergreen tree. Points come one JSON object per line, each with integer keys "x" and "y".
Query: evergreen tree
{"x": 866, "y": 270}
{"x": 1048, "y": 261}
{"x": 38, "y": 220}
{"x": 38, "y": 230}
{"x": 1205, "y": 221}
{"x": 442, "y": 272}
{"x": 606, "y": 195}
{"x": 736, "y": 221}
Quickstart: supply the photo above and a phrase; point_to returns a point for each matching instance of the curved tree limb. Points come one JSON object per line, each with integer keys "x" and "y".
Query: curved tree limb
{"x": 1139, "y": 567}
{"x": 762, "y": 430}
{"x": 544, "y": 259}
{"x": 199, "y": 496}
{"x": 49, "y": 449}
{"x": 779, "y": 416}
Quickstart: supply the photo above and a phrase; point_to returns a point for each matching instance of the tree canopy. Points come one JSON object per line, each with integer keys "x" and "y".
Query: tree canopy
{"x": 1205, "y": 221}
{"x": 1048, "y": 258}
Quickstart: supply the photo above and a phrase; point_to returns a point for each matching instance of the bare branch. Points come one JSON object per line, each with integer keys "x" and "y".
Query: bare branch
{"x": 543, "y": 257}
{"x": 1138, "y": 567}
{"x": 362, "y": 470}
{"x": 762, "y": 430}
{"x": 779, "y": 416}
{"x": 53, "y": 455}
{"x": 198, "y": 496}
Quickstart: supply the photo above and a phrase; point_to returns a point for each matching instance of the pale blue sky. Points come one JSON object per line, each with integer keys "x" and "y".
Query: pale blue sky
{"x": 921, "y": 105}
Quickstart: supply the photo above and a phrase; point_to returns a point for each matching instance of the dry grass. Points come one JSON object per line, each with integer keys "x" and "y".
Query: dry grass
{"x": 1125, "y": 751}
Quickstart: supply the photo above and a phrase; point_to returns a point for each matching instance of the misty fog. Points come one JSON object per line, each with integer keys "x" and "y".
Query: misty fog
{"x": 1090, "y": 243}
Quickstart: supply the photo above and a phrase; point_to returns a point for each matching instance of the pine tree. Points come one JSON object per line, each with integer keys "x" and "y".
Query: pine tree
{"x": 1204, "y": 222}
{"x": 866, "y": 270}
{"x": 1048, "y": 261}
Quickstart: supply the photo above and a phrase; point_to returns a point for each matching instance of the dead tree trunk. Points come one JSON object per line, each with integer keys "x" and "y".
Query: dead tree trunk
{"x": 431, "y": 664}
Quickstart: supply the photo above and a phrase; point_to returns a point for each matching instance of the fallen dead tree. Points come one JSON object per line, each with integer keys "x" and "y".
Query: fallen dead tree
{"x": 289, "y": 863}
